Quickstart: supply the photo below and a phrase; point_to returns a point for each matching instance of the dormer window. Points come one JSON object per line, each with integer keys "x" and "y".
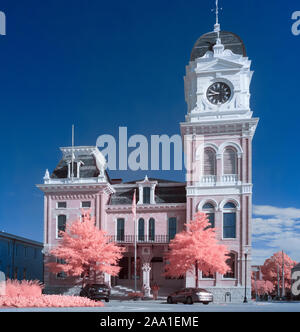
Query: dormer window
{"x": 147, "y": 191}
{"x": 146, "y": 195}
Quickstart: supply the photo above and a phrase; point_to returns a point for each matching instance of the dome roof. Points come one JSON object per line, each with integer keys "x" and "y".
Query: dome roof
{"x": 206, "y": 42}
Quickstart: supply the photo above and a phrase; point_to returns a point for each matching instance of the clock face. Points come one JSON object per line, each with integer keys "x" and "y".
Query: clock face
{"x": 218, "y": 93}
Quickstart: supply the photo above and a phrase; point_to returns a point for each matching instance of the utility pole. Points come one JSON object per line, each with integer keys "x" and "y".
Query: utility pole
{"x": 283, "y": 285}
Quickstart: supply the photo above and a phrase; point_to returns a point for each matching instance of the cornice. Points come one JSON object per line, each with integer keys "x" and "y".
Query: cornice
{"x": 55, "y": 188}
{"x": 145, "y": 208}
{"x": 246, "y": 127}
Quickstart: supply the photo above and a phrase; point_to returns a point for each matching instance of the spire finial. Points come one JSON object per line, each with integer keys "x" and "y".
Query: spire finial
{"x": 217, "y": 28}
{"x": 217, "y": 11}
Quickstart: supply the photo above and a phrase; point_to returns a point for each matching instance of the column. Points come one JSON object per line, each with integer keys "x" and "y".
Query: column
{"x": 97, "y": 211}
{"x": 140, "y": 195}
{"x": 146, "y": 279}
{"x": 219, "y": 171}
{"x": 152, "y": 194}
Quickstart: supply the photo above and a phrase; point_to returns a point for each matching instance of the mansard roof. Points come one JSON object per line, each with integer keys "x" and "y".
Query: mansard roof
{"x": 88, "y": 170}
{"x": 165, "y": 192}
{"x": 207, "y": 41}
{"x": 85, "y": 154}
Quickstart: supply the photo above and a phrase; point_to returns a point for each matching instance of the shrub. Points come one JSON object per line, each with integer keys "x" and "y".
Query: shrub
{"x": 23, "y": 288}
{"x": 50, "y": 301}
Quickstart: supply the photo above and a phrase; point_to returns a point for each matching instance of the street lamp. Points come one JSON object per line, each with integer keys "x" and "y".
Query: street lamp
{"x": 246, "y": 256}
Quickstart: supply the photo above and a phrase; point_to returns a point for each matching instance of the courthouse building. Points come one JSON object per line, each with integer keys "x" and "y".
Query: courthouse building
{"x": 217, "y": 135}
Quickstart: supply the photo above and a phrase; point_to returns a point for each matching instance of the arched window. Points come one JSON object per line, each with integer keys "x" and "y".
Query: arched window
{"x": 141, "y": 229}
{"x": 230, "y": 161}
{"x": 209, "y": 209}
{"x": 229, "y": 221}
{"x": 61, "y": 224}
{"x": 231, "y": 262}
{"x": 151, "y": 229}
{"x": 209, "y": 162}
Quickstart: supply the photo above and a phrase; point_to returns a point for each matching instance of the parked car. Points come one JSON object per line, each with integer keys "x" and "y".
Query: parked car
{"x": 96, "y": 292}
{"x": 191, "y": 296}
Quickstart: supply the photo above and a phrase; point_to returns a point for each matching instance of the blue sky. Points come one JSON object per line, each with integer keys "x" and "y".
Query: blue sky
{"x": 101, "y": 65}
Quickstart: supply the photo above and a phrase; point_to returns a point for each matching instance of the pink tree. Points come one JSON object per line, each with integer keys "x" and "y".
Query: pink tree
{"x": 271, "y": 266}
{"x": 262, "y": 287}
{"x": 194, "y": 249}
{"x": 86, "y": 250}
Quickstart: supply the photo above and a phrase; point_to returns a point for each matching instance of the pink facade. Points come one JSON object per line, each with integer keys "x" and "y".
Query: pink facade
{"x": 217, "y": 137}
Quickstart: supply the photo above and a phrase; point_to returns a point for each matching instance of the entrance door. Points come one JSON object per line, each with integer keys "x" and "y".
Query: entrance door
{"x": 157, "y": 269}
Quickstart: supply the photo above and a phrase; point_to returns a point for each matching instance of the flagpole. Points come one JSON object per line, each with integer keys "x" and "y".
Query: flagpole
{"x": 72, "y": 166}
{"x": 135, "y": 238}
{"x": 135, "y": 254}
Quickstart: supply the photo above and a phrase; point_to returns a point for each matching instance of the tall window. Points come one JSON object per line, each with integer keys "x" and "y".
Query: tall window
{"x": 231, "y": 274}
{"x": 61, "y": 224}
{"x": 146, "y": 195}
{"x": 141, "y": 230}
{"x": 151, "y": 229}
{"x": 209, "y": 209}
{"x": 229, "y": 221}
{"x": 120, "y": 229}
{"x": 230, "y": 161}
{"x": 172, "y": 228}
{"x": 209, "y": 162}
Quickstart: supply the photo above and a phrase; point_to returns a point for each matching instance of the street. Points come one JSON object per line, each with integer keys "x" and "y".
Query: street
{"x": 160, "y": 306}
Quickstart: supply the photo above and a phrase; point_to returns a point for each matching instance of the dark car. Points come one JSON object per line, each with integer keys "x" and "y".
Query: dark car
{"x": 190, "y": 296}
{"x": 96, "y": 292}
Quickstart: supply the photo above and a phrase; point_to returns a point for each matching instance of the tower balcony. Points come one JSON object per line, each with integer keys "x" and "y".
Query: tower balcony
{"x": 130, "y": 239}
{"x": 213, "y": 180}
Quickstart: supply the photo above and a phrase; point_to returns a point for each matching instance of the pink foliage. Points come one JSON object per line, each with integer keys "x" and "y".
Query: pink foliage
{"x": 262, "y": 287}
{"x": 54, "y": 301}
{"x": 23, "y": 288}
{"x": 25, "y": 294}
{"x": 196, "y": 246}
{"x": 269, "y": 269}
{"x": 85, "y": 249}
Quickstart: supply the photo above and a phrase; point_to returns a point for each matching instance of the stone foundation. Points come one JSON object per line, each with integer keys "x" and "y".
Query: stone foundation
{"x": 229, "y": 295}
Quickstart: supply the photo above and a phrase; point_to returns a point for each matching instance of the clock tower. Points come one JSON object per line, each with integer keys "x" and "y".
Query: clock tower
{"x": 218, "y": 133}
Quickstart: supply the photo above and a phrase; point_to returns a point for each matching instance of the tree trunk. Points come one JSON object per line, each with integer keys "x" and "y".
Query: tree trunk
{"x": 197, "y": 274}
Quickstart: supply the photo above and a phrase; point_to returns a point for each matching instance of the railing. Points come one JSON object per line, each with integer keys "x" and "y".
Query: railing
{"x": 229, "y": 178}
{"x": 140, "y": 239}
{"x": 208, "y": 179}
